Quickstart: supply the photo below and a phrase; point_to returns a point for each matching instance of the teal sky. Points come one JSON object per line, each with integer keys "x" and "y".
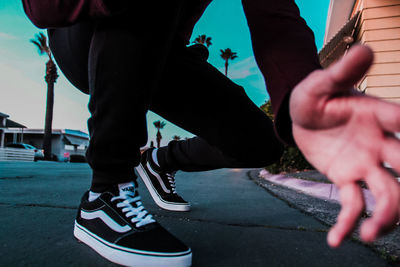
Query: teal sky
{"x": 23, "y": 88}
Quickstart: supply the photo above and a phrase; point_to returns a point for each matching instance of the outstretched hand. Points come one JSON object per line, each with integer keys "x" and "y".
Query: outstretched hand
{"x": 347, "y": 136}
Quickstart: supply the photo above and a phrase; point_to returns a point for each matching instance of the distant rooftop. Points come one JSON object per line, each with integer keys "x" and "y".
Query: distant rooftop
{"x": 71, "y": 132}
{"x": 76, "y": 133}
{"x": 13, "y": 124}
{"x": 9, "y": 123}
{"x": 2, "y": 115}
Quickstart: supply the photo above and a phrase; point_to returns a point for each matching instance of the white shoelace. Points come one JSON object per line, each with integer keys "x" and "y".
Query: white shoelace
{"x": 171, "y": 180}
{"x": 138, "y": 215}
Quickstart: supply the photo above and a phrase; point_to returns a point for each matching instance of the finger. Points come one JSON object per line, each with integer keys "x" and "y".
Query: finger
{"x": 386, "y": 192}
{"x": 390, "y": 153}
{"x": 352, "y": 203}
{"x": 351, "y": 68}
{"x": 388, "y": 115}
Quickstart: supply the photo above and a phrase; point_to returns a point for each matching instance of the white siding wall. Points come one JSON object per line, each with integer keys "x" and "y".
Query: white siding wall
{"x": 380, "y": 29}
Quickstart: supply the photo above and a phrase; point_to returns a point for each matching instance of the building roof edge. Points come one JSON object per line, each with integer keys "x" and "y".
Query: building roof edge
{"x": 339, "y": 13}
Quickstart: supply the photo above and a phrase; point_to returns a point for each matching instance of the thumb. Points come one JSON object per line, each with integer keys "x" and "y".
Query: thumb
{"x": 310, "y": 96}
{"x": 350, "y": 68}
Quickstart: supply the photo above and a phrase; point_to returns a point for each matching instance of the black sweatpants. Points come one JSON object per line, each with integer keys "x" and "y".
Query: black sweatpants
{"x": 128, "y": 70}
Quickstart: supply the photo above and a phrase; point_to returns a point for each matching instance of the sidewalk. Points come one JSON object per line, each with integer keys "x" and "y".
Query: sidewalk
{"x": 322, "y": 190}
{"x": 233, "y": 222}
{"x": 314, "y": 195}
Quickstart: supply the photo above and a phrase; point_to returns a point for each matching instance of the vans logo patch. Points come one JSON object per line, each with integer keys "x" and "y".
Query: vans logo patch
{"x": 130, "y": 189}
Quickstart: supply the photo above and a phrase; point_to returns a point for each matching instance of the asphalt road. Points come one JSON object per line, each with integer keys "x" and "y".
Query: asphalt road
{"x": 233, "y": 222}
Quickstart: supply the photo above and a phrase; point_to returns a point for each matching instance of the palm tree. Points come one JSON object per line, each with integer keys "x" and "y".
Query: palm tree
{"x": 51, "y": 77}
{"x": 227, "y": 55}
{"x": 176, "y": 137}
{"x": 203, "y": 39}
{"x": 267, "y": 108}
{"x": 159, "y": 125}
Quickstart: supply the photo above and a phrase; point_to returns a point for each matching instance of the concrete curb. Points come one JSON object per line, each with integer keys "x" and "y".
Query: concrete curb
{"x": 322, "y": 204}
{"x": 323, "y": 191}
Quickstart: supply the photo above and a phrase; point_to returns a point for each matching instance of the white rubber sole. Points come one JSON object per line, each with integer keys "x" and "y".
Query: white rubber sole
{"x": 156, "y": 197}
{"x": 130, "y": 257}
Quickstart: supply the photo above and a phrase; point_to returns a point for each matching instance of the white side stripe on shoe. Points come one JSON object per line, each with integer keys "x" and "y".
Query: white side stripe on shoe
{"x": 158, "y": 178}
{"x": 106, "y": 219}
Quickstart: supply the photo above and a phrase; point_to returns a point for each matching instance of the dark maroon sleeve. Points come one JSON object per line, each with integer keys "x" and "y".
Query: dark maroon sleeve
{"x": 61, "y": 13}
{"x": 285, "y": 51}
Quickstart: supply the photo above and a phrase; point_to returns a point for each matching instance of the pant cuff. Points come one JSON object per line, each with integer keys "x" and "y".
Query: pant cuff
{"x": 101, "y": 180}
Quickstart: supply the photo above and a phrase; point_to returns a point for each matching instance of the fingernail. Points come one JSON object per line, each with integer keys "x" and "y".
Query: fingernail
{"x": 369, "y": 232}
{"x": 333, "y": 240}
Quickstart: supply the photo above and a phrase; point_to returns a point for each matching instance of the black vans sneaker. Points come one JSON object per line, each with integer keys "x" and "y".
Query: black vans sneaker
{"x": 117, "y": 226}
{"x": 161, "y": 185}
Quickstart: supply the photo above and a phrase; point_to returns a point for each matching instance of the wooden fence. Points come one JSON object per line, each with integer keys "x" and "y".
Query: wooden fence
{"x": 16, "y": 154}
